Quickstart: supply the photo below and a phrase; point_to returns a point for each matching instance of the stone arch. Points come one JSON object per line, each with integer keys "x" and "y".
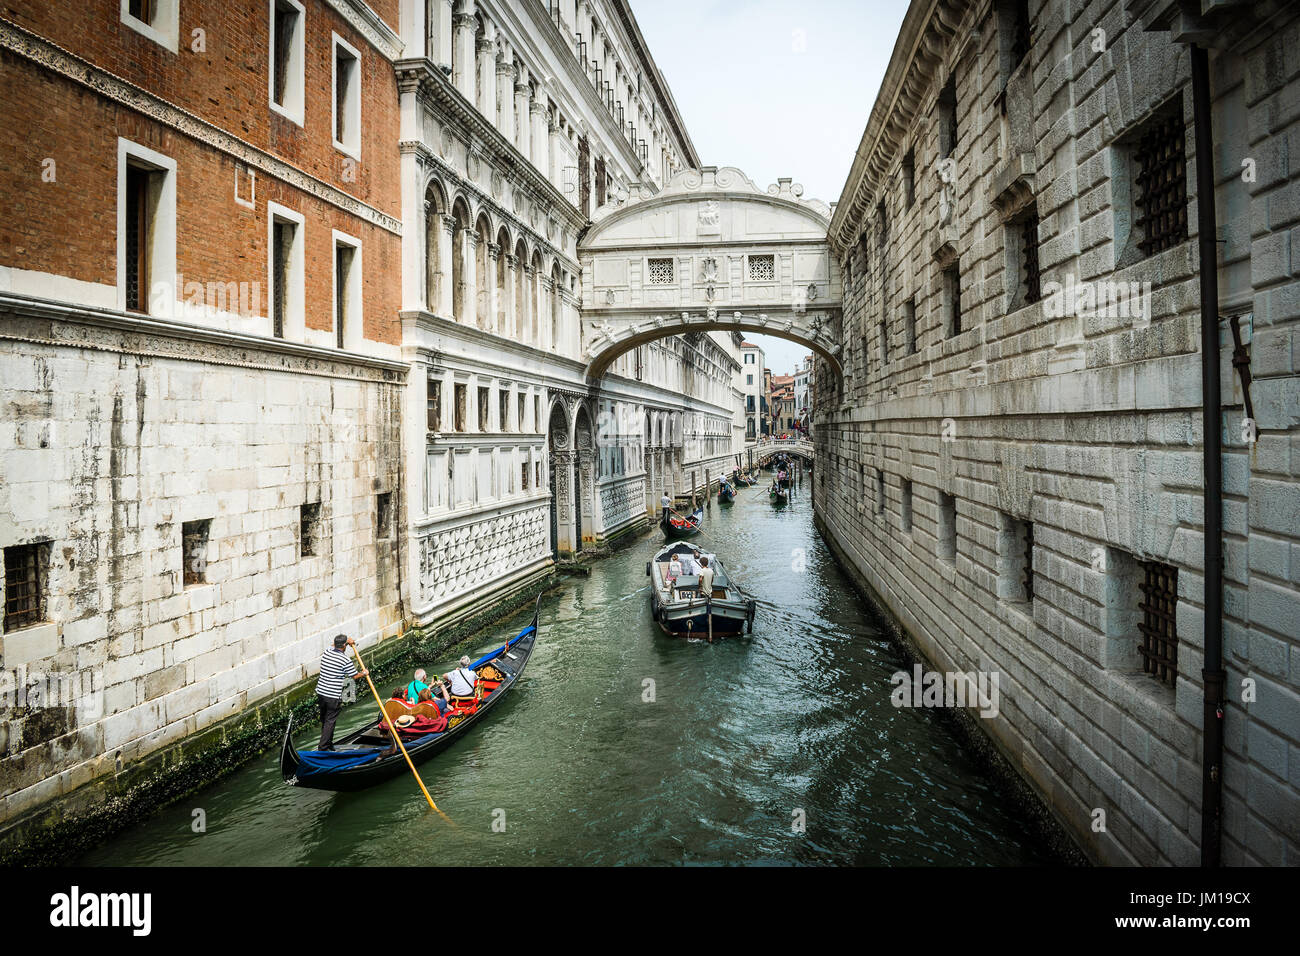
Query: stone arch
{"x": 560, "y": 474}
{"x": 584, "y": 443}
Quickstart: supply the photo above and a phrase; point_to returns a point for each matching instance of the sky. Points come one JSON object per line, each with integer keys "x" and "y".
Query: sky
{"x": 775, "y": 88}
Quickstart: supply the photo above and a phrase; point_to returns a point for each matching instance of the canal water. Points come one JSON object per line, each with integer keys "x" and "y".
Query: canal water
{"x": 623, "y": 745}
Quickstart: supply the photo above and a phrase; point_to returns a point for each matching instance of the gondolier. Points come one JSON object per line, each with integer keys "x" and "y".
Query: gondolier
{"x": 335, "y": 668}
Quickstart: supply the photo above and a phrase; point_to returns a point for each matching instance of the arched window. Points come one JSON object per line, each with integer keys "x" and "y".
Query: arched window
{"x": 434, "y": 209}
{"x": 459, "y": 261}
{"x": 503, "y": 283}
{"x": 521, "y": 291}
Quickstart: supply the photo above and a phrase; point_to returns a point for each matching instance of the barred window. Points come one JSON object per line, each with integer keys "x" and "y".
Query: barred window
{"x": 1159, "y": 625}
{"x": 660, "y": 271}
{"x": 25, "y": 572}
{"x": 762, "y": 268}
{"x": 308, "y": 528}
{"x": 1161, "y": 181}
{"x": 194, "y": 549}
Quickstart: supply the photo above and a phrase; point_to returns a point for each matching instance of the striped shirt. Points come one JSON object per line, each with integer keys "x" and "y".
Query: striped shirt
{"x": 335, "y": 667}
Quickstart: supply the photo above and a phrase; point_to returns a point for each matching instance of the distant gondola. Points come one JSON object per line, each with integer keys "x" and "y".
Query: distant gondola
{"x": 726, "y": 494}
{"x": 367, "y": 756}
{"x": 682, "y": 610}
{"x": 676, "y": 527}
{"x": 778, "y": 495}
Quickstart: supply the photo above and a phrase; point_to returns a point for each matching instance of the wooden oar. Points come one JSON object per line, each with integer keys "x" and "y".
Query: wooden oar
{"x": 397, "y": 738}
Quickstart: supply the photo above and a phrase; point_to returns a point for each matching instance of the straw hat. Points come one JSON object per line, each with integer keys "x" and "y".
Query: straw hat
{"x": 404, "y": 721}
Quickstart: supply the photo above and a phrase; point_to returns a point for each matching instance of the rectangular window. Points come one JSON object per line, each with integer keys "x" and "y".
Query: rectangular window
{"x": 952, "y": 295}
{"x": 909, "y": 325}
{"x": 522, "y": 407}
{"x": 434, "y": 405}
{"x": 537, "y": 412}
{"x": 503, "y": 409}
{"x": 26, "y": 573}
{"x": 384, "y": 515}
{"x": 1015, "y": 559}
{"x": 947, "y": 527}
{"x": 308, "y": 528}
{"x": 1159, "y": 625}
{"x": 287, "y": 280}
{"x": 909, "y": 179}
{"x": 523, "y": 476}
{"x": 159, "y": 20}
{"x": 749, "y": 379}
{"x": 660, "y": 271}
{"x": 884, "y": 342}
{"x": 948, "y": 119}
{"x": 347, "y": 291}
{"x": 194, "y": 551}
{"x": 146, "y": 229}
{"x": 287, "y": 59}
{"x": 1159, "y": 154}
{"x": 484, "y": 409}
{"x": 762, "y": 268}
{"x": 462, "y": 410}
{"x": 1030, "y": 281}
{"x": 347, "y": 97}
{"x": 905, "y": 507}
{"x": 880, "y": 492}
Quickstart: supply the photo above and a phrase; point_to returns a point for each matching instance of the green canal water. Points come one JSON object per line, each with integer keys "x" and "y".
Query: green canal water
{"x": 742, "y": 740}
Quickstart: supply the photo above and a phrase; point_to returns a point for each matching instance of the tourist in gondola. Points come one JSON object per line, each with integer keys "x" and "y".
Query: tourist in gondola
{"x": 460, "y": 682}
{"x": 335, "y": 668}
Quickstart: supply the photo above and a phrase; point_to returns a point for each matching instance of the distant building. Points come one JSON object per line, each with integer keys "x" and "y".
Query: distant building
{"x": 753, "y": 379}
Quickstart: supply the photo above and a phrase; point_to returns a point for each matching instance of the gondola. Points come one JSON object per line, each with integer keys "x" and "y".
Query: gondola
{"x": 367, "y": 757}
{"x": 778, "y": 496}
{"x": 683, "y": 611}
{"x": 726, "y": 494}
{"x": 676, "y": 527}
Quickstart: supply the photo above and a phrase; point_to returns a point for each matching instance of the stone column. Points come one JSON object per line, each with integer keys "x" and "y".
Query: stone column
{"x": 486, "y": 90}
{"x": 493, "y": 306}
{"x": 444, "y": 14}
{"x": 521, "y": 137}
{"x": 544, "y": 338}
{"x": 463, "y": 60}
{"x": 562, "y": 470}
{"x": 505, "y": 116}
{"x": 539, "y": 149}
{"x": 445, "y": 252}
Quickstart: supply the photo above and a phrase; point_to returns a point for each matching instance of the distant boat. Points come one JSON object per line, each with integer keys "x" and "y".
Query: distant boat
{"x": 682, "y": 610}
{"x": 367, "y": 756}
{"x": 726, "y": 494}
{"x": 778, "y": 495}
{"x": 677, "y": 526}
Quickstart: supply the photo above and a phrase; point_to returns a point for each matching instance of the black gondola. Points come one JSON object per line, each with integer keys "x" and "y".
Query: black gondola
{"x": 676, "y": 527}
{"x": 367, "y": 757}
{"x": 726, "y": 494}
{"x": 777, "y": 495}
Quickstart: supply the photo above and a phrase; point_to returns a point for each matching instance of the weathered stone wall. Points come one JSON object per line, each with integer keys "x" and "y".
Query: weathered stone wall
{"x": 1087, "y": 427}
{"x": 113, "y": 439}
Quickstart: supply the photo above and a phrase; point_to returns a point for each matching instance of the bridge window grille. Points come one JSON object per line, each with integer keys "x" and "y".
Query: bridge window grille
{"x": 1159, "y": 626}
{"x": 194, "y": 551}
{"x": 762, "y": 268}
{"x": 308, "y": 528}
{"x": 1029, "y": 256}
{"x": 25, "y": 566}
{"x": 660, "y": 271}
{"x": 1162, "y": 183}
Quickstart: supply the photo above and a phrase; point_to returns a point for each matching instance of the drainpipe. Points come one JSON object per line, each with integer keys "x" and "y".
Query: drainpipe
{"x": 1212, "y": 674}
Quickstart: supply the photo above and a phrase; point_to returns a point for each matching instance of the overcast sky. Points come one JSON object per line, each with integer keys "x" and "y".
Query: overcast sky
{"x": 776, "y": 88}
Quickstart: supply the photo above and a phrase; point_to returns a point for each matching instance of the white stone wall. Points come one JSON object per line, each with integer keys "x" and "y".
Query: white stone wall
{"x": 115, "y": 440}
{"x": 1088, "y": 427}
